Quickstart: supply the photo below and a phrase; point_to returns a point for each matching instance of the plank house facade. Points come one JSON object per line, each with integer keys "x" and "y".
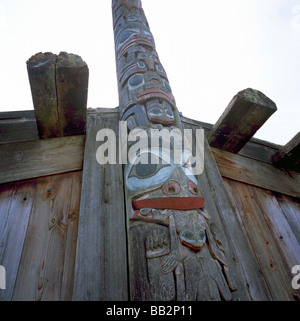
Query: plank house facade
{"x": 72, "y": 228}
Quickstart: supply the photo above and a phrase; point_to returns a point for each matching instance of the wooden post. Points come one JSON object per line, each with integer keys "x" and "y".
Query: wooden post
{"x": 59, "y": 86}
{"x": 245, "y": 114}
{"x": 289, "y": 155}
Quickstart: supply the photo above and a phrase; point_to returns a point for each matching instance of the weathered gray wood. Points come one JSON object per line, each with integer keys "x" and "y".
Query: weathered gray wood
{"x": 47, "y": 263}
{"x": 101, "y": 259}
{"x": 41, "y": 72}
{"x": 245, "y": 114}
{"x": 24, "y": 160}
{"x": 71, "y": 80}
{"x": 18, "y": 126}
{"x": 15, "y": 208}
{"x": 289, "y": 155}
{"x": 249, "y": 282}
{"x": 264, "y": 237}
{"x": 59, "y": 86}
{"x": 283, "y": 235}
{"x": 257, "y": 173}
{"x": 291, "y": 209}
{"x": 259, "y": 150}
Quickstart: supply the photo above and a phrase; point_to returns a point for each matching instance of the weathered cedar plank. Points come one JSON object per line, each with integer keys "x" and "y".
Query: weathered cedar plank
{"x": 15, "y": 208}
{"x": 257, "y": 173}
{"x": 59, "y": 85}
{"x": 289, "y": 155}
{"x": 279, "y": 226}
{"x": 18, "y": 126}
{"x": 245, "y": 114}
{"x": 291, "y": 209}
{"x": 41, "y": 72}
{"x": 47, "y": 257}
{"x": 249, "y": 282}
{"x": 242, "y": 266}
{"x": 260, "y": 238}
{"x": 71, "y": 238}
{"x": 101, "y": 259}
{"x": 25, "y": 160}
{"x": 259, "y": 151}
{"x": 71, "y": 80}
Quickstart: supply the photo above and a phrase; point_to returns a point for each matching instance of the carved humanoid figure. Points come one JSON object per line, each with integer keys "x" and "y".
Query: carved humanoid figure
{"x": 173, "y": 252}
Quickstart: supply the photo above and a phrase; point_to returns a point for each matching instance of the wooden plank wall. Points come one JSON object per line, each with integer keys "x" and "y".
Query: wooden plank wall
{"x": 242, "y": 265}
{"x": 38, "y": 231}
{"x": 40, "y": 219}
{"x": 271, "y": 224}
{"x": 101, "y": 259}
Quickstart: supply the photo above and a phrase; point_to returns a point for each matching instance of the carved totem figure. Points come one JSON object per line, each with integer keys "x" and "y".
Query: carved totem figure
{"x": 173, "y": 253}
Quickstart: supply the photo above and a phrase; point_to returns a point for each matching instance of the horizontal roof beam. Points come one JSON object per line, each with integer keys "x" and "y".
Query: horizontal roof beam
{"x": 288, "y": 156}
{"x": 245, "y": 114}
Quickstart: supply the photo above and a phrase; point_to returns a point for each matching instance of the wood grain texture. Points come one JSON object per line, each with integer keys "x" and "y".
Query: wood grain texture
{"x": 270, "y": 236}
{"x": 245, "y": 114}
{"x": 18, "y": 126}
{"x": 25, "y": 160}
{"x": 46, "y": 269}
{"x": 246, "y": 274}
{"x": 59, "y": 86}
{"x": 15, "y": 209}
{"x": 101, "y": 260}
{"x": 257, "y": 173}
{"x": 71, "y": 80}
{"x": 41, "y": 72}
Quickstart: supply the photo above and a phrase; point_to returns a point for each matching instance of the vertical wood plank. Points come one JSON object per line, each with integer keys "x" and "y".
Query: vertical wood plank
{"x": 71, "y": 238}
{"x": 261, "y": 239}
{"x": 291, "y": 210}
{"x": 249, "y": 281}
{"x": 282, "y": 232}
{"x": 101, "y": 258}
{"x": 15, "y": 209}
{"x": 46, "y": 253}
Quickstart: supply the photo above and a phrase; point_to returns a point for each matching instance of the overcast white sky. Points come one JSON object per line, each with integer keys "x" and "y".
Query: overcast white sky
{"x": 210, "y": 50}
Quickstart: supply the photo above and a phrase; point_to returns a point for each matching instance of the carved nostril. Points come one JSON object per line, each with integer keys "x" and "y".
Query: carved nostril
{"x": 193, "y": 188}
{"x": 171, "y": 188}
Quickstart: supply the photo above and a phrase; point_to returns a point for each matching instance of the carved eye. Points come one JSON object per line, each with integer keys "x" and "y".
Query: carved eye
{"x": 125, "y": 35}
{"x": 153, "y": 58}
{"x": 148, "y": 165}
{"x": 142, "y": 56}
{"x": 168, "y": 86}
{"x": 156, "y": 111}
{"x": 140, "y": 64}
{"x": 160, "y": 69}
{"x": 201, "y": 235}
{"x": 144, "y": 170}
{"x": 193, "y": 188}
{"x": 135, "y": 82}
{"x": 132, "y": 18}
{"x": 188, "y": 235}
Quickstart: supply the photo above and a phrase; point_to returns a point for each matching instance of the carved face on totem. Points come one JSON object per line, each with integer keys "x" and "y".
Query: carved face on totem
{"x": 160, "y": 187}
{"x": 142, "y": 78}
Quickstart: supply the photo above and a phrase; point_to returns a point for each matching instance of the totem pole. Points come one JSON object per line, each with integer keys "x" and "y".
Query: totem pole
{"x": 173, "y": 254}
